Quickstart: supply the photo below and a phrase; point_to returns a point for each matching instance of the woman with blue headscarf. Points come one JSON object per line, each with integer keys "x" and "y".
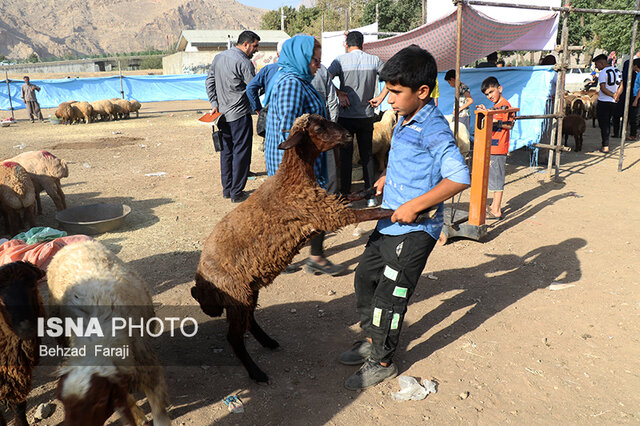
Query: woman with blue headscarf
{"x": 290, "y": 95}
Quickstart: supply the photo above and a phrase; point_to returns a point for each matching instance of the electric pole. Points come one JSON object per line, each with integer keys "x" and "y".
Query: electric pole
{"x": 282, "y": 18}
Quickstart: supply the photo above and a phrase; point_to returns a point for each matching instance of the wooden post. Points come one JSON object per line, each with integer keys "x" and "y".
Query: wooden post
{"x": 120, "y": 72}
{"x": 564, "y": 63}
{"x": 456, "y": 108}
{"x": 6, "y": 76}
{"x": 558, "y": 108}
{"x": 629, "y": 88}
{"x": 481, "y": 159}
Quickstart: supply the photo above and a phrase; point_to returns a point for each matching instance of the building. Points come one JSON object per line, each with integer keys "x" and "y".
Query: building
{"x": 197, "y": 48}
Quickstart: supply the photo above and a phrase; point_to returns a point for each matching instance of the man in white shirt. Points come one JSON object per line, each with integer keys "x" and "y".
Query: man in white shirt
{"x": 609, "y": 82}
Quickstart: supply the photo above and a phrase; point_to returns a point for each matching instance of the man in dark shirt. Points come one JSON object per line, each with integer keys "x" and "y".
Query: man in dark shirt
{"x": 229, "y": 74}
{"x": 492, "y": 61}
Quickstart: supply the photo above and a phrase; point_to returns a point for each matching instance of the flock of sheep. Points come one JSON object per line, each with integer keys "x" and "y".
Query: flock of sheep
{"x": 71, "y": 112}
{"x": 579, "y": 106}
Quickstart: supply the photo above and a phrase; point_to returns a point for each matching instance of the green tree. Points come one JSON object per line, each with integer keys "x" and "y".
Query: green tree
{"x": 33, "y": 58}
{"x": 393, "y": 16}
{"x": 613, "y": 32}
{"x": 151, "y": 62}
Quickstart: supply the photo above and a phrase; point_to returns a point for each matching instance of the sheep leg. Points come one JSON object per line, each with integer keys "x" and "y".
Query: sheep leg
{"x": 63, "y": 201}
{"x": 132, "y": 413}
{"x": 20, "y": 412}
{"x": 257, "y": 332}
{"x": 238, "y": 325}
{"x": 157, "y": 396}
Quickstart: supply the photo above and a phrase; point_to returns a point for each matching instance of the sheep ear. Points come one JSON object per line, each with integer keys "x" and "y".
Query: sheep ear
{"x": 293, "y": 140}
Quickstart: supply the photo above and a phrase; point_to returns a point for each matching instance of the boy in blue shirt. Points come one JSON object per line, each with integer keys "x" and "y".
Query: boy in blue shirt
{"x": 425, "y": 168}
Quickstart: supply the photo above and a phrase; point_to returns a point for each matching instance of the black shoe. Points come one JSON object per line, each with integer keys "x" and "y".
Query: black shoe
{"x": 357, "y": 354}
{"x": 290, "y": 269}
{"x": 240, "y": 197}
{"x": 370, "y": 374}
{"x": 226, "y": 196}
{"x": 312, "y": 267}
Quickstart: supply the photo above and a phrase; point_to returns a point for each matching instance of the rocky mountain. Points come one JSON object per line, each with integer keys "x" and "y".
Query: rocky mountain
{"x": 88, "y": 27}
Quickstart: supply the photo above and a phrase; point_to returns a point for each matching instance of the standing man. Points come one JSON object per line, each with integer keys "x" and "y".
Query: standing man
{"x": 358, "y": 73}
{"x": 609, "y": 80}
{"x": 492, "y": 61}
{"x": 30, "y": 101}
{"x": 229, "y": 74}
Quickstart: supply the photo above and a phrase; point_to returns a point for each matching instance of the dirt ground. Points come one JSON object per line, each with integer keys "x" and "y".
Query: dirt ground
{"x": 484, "y": 324}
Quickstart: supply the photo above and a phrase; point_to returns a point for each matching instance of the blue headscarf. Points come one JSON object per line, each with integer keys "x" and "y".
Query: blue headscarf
{"x": 294, "y": 58}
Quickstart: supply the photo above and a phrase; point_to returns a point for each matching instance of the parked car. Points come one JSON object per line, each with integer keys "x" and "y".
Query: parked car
{"x": 576, "y": 78}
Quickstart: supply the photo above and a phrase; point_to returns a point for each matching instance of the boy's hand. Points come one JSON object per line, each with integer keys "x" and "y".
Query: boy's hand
{"x": 404, "y": 214}
{"x": 482, "y": 107}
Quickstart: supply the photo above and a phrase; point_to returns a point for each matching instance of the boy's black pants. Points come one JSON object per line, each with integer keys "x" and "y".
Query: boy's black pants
{"x": 385, "y": 279}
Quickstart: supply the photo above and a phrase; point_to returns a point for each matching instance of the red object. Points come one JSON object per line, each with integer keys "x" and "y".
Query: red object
{"x": 210, "y": 118}
{"x": 40, "y": 254}
{"x": 10, "y": 164}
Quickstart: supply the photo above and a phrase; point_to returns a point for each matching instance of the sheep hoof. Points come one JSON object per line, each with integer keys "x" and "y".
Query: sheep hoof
{"x": 259, "y": 377}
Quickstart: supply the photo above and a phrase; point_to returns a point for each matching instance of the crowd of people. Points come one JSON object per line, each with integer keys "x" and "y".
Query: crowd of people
{"x": 397, "y": 250}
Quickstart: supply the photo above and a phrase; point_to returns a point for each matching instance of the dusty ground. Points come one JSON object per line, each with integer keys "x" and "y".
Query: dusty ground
{"x": 482, "y": 321}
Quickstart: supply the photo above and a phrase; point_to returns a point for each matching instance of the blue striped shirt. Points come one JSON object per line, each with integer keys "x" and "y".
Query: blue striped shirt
{"x": 358, "y": 72}
{"x": 291, "y": 98}
{"x": 423, "y": 152}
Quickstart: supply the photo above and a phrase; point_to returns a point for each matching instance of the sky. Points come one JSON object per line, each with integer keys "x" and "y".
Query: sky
{"x": 270, "y": 4}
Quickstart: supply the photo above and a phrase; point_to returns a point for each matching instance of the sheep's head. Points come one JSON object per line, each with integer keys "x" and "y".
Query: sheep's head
{"x": 90, "y": 398}
{"x": 20, "y": 304}
{"x": 322, "y": 134}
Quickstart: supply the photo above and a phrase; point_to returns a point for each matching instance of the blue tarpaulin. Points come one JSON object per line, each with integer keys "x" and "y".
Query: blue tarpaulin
{"x": 529, "y": 88}
{"x": 148, "y": 88}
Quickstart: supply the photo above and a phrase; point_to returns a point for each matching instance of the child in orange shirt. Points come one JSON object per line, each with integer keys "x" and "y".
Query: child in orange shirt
{"x": 502, "y": 124}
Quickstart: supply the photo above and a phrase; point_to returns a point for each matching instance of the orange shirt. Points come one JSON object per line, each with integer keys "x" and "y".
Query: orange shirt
{"x": 500, "y": 138}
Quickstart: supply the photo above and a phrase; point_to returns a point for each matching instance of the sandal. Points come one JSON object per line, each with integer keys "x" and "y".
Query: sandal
{"x": 492, "y": 216}
{"x": 602, "y": 150}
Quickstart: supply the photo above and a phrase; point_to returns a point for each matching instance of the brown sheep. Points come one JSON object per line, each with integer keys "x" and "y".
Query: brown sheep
{"x": 45, "y": 171}
{"x": 20, "y": 308}
{"x": 574, "y": 125}
{"x": 282, "y": 214}
{"x": 103, "y": 108}
{"x": 63, "y": 111}
{"x": 86, "y": 110}
{"x": 17, "y": 196}
{"x": 124, "y": 107}
{"x": 135, "y": 107}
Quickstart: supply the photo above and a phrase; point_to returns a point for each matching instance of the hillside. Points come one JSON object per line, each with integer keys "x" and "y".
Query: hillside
{"x": 87, "y": 27}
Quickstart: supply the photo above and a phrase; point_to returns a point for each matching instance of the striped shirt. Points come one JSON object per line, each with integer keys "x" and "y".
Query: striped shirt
{"x": 291, "y": 98}
{"x": 423, "y": 152}
{"x": 358, "y": 72}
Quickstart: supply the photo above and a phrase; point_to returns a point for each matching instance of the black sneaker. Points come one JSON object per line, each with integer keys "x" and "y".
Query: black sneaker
{"x": 370, "y": 374}
{"x": 357, "y": 354}
{"x": 312, "y": 267}
{"x": 240, "y": 197}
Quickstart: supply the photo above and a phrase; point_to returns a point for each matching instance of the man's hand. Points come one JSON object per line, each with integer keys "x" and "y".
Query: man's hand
{"x": 214, "y": 110}
{"x": 343, "y": 98}
{"x": 375, "y": 102}
{"x": 635, "y": 102}
{"x": 379, "y": 185}
{"x": 482, "y": 107}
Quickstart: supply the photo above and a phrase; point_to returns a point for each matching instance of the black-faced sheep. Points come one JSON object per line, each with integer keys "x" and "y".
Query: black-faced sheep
{"x": 254, "y": 243}
{"x": 575, "y": 126}
{"x": 88, "y": 281}
{"x": 17, "y": 196}
{"x": 45, "y": 171}
{"x": 20, "y": 307}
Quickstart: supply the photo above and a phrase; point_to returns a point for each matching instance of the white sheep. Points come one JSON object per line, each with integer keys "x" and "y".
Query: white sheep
{"x": 87, "y": 281}
{"x": 45, "y": 171}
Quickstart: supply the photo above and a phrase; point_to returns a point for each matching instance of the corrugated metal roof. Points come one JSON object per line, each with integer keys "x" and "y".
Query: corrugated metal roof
{"x": 219, "y": 37}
